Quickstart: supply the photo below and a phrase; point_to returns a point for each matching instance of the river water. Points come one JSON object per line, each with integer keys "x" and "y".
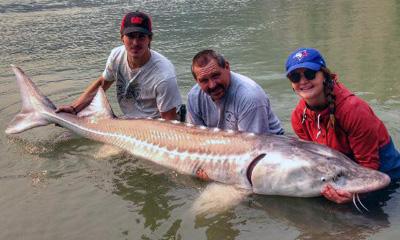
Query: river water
{"x": 53, "y": 187}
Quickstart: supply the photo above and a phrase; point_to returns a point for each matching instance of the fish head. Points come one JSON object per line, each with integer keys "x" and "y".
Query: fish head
{"x": 307, "y": 173}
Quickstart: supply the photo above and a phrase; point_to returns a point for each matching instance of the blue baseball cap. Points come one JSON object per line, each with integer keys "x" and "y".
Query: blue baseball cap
{"x": 304, "y": 58}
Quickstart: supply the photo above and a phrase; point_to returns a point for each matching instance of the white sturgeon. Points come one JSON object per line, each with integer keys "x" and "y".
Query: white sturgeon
{"x": 263, "y": 163}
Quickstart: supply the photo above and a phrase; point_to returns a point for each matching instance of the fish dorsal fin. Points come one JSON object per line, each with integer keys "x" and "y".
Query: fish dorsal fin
{"x": 99, "y": 107}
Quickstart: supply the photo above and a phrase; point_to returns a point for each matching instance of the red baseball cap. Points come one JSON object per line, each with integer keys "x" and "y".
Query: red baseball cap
{"x": 136, "y": 22}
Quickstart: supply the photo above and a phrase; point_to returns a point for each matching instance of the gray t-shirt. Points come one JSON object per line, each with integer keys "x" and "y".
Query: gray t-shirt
{"x": 144, "y": 92}
{"x": 245, "y": 107}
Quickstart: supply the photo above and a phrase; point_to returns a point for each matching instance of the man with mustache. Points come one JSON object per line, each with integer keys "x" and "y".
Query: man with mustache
{"x": 146, "y": 81}
{"x": 227, "y": 100}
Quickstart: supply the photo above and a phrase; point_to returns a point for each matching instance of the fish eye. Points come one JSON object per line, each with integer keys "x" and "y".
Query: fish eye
{"x": 323, "y": 179}
{"x": 339, "y": 175}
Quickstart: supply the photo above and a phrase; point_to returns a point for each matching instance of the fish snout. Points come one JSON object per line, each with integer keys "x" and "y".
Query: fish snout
{"x": 364, "y": 181}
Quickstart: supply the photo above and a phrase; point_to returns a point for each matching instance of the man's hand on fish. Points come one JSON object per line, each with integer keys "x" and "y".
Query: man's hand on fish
{"x": 66, "y": 109}
{"x": 337, "y": 196}
{"x": 202, "y": 175}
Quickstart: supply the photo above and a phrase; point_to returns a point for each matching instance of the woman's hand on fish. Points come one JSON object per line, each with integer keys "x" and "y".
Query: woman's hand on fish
{"x": 336, "y": 195}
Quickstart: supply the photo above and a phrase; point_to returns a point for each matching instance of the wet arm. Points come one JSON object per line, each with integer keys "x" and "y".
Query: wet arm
{"x": 86, "y": 98}
{"x": 170, "y": 114}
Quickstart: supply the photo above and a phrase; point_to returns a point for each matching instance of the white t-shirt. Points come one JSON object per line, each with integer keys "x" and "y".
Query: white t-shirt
{"x": 244, "y": 107}
{"x": 144, "y": 92}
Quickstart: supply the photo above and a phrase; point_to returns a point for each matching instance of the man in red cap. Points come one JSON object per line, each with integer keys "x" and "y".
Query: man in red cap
{"x": 146, "y": 80}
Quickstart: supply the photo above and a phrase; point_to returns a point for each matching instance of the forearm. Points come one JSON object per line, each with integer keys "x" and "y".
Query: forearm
{"x": 169, "y": 115}
{"x": 86, "y": 98}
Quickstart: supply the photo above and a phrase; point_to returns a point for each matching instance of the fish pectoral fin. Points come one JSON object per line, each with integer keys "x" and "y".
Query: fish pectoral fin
{"x": 217, "y": 197}
{"x": 106, "y": 151}
{"x": 99, "y": 107}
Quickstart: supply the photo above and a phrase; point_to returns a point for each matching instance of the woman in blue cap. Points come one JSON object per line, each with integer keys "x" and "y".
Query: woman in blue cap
{"x": 328, "y": 113}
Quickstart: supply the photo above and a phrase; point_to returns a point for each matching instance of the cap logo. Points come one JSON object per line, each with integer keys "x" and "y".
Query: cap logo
{"x": 136, "y": 20}
{"x": 300, "y": 55}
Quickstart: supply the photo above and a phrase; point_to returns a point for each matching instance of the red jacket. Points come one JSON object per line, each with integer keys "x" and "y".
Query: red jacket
{"x": 358, "y": 132}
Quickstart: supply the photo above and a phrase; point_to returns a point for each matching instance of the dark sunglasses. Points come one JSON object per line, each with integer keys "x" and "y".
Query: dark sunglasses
{"x": 308, "y": 74}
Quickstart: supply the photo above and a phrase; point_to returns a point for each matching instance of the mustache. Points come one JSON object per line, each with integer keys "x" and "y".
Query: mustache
{"x": 217, "y": 88}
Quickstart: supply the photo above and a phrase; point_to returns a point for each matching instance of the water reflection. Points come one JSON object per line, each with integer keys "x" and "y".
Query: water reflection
{"x": 219, "y": 226}
{"x": 149, "y": 191}
{"x": 317, "y": 218}
{"x": 165, "y": 199}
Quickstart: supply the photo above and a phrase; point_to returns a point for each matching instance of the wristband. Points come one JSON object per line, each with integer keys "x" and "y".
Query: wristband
{"x": 76, "y": 113}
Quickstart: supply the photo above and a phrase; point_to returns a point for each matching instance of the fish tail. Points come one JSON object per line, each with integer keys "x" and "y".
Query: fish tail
{"x": 34, "y": 105}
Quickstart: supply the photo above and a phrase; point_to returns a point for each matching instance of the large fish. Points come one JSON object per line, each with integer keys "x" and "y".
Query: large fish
{"x": 263, "y": 163}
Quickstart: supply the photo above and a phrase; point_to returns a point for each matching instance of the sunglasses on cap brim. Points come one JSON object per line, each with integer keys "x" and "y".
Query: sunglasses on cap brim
{"x": 308, "y": 74}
